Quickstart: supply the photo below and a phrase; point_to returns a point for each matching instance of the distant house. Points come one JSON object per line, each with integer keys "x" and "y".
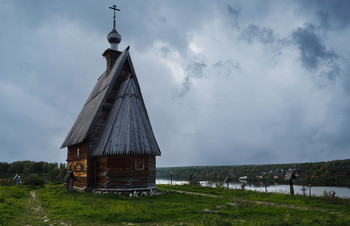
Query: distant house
{"x": 243, "y": 178}
{"x": 111, "y": 145}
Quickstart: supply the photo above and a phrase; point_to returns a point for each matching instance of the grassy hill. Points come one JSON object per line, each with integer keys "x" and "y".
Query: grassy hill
{"x": 177, "y": 205}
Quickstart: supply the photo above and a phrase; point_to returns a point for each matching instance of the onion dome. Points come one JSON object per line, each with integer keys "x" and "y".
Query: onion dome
{"x": 114, "y": 38}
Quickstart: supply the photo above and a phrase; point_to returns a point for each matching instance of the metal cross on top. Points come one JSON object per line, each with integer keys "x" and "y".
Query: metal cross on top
{"x": 114, "y": 9}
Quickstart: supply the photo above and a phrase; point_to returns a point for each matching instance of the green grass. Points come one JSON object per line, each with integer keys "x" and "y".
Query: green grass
{"x": 277, "y": 198}
{"x": 12, "y": 202}
{"x": 87, "y": 208}
{"x": 111, "y": 209}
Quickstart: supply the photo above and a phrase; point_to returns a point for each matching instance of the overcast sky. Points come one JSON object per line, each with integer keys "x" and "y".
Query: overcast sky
{"x": 224, "y": 82}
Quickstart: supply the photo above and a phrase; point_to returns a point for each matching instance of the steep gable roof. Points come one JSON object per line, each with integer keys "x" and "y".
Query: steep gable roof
{"x": 128, "y": 129}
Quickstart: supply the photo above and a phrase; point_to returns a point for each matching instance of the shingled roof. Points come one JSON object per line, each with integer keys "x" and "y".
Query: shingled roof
{"x": 128, "y": 129}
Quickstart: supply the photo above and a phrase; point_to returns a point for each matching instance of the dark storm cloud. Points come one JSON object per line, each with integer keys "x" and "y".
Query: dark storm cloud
{"x": 185, "y": 87}
{"x": 332, "y": 14}
{"x": 323, "y": 18}
{"x": 225, "y": 68}
{"x": 346, "y": 81}
{"x": 165, "y": 51}
{"x": 255, "y": 33}
{"x": 234, "y": 14}
{"x": 167, "y": 21}
{"x": 311, "y": 47}
{"x": 334, "y": 134}
{"x": 194, "y": 70}
{"x": 332, "y": 74}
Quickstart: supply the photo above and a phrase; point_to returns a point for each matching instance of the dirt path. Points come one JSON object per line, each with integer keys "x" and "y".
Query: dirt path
{"x": 34, "y": 214}
{"x": 37, "y": 209}
{"x": 194, "y": 193}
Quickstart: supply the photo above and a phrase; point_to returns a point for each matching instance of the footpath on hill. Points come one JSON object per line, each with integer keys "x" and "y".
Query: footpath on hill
{"x": 34, "y": 214}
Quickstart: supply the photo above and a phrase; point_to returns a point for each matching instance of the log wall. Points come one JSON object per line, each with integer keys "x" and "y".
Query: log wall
{"x": 124, "y": 172}
{"x": 111, "y": 172}
{"x": 77, "y": 161}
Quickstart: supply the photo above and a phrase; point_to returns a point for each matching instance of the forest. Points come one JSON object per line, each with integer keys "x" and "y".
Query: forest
{"x": 331, "y": 173}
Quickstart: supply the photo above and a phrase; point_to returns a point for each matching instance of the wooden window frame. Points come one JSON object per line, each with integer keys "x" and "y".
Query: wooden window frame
{"x": 139, "y": 164}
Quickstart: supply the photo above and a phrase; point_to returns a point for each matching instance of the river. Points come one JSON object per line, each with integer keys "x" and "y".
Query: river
{"x": 341, "y": 192}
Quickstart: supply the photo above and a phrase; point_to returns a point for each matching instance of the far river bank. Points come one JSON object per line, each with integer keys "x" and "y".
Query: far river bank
{"x": 341, "y": 192}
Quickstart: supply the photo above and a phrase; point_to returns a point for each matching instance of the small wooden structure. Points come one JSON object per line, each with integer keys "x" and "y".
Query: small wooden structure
{"x": 265, "y": 182}
{"x": 227, "y": 181}
{"x": 171, "y": 178}
{"x": 309, "y": 189}
{"x": 111, "y": 145}
{"x": 18, "y": 179}
{"x": 289, "y": 177}
{"x": 59, "y": 177}
{"x": 332, "y": 193}
{"x": 69, "y": 178}
{"x": 304, "y": 190}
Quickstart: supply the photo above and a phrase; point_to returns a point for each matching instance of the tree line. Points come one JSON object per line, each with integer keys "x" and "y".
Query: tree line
{"x": 44, "y": 170}
{"x": 331, "y": 173}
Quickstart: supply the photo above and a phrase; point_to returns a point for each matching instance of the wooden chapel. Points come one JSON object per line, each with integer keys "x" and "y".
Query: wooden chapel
{"x": 111, "y": 146}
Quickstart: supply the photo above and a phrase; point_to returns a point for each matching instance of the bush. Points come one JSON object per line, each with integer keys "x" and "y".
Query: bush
{"x": 34, "y": 181}
{"x": 54, "y": 173}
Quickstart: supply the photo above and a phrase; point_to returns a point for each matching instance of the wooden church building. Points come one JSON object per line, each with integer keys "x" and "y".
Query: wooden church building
{"x": 111, "y": 145}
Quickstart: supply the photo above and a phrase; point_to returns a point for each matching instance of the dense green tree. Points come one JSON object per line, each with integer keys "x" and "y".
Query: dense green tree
{"x": 4, "y": 167}
{"x": 54, "y": 173}
{"x": 17, "y": 167}
{"x": 38, "y": 167}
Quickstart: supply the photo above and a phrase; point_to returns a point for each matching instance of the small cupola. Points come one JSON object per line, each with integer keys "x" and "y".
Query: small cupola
{"x": 114, "y": 38}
